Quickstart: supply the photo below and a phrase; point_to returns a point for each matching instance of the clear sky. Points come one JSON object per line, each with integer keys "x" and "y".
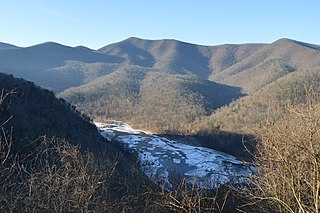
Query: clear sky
{"x": 95, "y": 23}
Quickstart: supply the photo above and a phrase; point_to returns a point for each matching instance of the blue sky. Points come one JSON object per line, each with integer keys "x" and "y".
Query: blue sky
{"x": 96, "y": 23}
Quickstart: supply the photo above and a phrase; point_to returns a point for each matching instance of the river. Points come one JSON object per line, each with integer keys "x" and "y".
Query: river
{"x": 165, "y": 161}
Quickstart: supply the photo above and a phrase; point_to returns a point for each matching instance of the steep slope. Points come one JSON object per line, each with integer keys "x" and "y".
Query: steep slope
{"x": 53, "y": 65}
{"x": 34, "y": 112}
{"x": 249, "y": 112}
{"x": 270, "y": 63}
{"x": 149, "y": 99}
{"x": 225, "y": 56}
{"x": 52, "y": 156}
{"x": 31, "y": 112}
{"x": 112, "y": 95}
{"x": 171, "y": 103}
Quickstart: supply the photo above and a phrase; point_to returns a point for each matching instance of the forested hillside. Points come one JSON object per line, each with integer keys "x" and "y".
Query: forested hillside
{"x": 53, "y": 159}
{"x": 247, "y": 113}
{"x": 35, "y": 112}
{"x": 151, "y": 100}
{"x": 169, "y": 86}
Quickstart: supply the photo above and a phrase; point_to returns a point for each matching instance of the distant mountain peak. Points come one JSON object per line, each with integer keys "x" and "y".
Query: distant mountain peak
{"x": 134, "y": 38}
{"x": 49, "y": 44}
{"x": 284, "y": 41}
{"x": 83, "y": 47}
{"x": 288, "y": 41}
{"x": 137, "y": 39}
{"x": 7, "y": 46}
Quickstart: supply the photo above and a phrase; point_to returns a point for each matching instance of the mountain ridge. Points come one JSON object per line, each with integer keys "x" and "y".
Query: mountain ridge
{"x": 169, "y": 54}
{"x": 7, "y": 46}
{"x": 279, "y": 58}
{"x": 125, "y": 71}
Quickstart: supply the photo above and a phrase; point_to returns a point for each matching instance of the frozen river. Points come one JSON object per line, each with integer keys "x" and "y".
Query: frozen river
{"x": 165, "y": 161}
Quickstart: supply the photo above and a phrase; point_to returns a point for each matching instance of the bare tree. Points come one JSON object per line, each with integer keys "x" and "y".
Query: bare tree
{"x": 189, "y": 198}
{"x": 288, "y": 162}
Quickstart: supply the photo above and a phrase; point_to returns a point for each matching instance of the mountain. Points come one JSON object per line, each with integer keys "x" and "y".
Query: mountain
{"x": 49, "y": 147}
{"x": 163, "y": 85}
{"x": 178, "y": 57}
{"x": 278, "y": 75}
{"x": 34, "y": 112}
{"x": 269, "y": 63}
{"x": 264, "y": 105}
{"x": 248, "y": 67}
{"x": 54, "y": 66}
{"x": 7, "y": 46}
{"x": 167, "y": 55}
{"x": 150, "y": 99}
{"x": 58, "y": 67}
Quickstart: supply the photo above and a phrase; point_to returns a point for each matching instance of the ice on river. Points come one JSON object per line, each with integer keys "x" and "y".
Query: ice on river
{"x": 164, "y": 160}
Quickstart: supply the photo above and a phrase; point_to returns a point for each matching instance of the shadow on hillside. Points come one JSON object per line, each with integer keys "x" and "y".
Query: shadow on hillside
{"x": 236, "y": 144}
{"x": 216, "y": 95}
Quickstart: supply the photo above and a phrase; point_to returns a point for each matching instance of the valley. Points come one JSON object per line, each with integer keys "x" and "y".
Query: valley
{"x": 215, "y": 125}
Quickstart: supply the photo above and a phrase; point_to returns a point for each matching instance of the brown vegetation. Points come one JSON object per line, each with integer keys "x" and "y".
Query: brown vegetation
{"x": 57, "y": 177}
{"x": 191, "y": 199}
{"x": 269, "y": 63}
{"x": 44, "y": 173}
{"x": 121, "y": 80}
{"x": 170, "y": 96}
{"x": 252, "y": 111}
{"x": 288, "y": 162}
{"x": 49, "y": 174}
{"x": 151, "y": 100}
